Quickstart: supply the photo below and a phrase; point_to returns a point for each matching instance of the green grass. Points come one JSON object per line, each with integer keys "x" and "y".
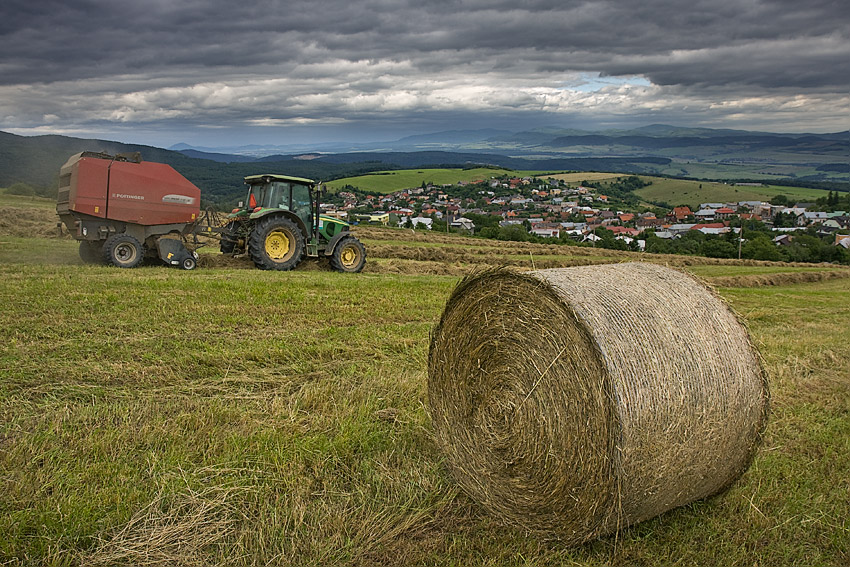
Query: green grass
{"x": 685, "y": 192}
{"x": 390, "y": 181}
{"x": 21, "y": 201}
{"x": 242, "y": 417}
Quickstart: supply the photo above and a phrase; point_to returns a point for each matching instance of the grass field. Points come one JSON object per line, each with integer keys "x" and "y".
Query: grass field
{"x": 239, "y": 417}
{"x": 390, "y": 181}
{"x": 586, "y": 176}
{"x": 19, "y": 201}
{"x": 685, "y": 192}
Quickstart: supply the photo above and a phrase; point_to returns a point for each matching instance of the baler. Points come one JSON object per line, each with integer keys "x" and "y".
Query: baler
{"x": 121, "y": 209}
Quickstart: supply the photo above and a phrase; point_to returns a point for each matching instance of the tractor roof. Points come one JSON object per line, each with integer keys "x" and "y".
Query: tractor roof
{"x": 265, "y": 177}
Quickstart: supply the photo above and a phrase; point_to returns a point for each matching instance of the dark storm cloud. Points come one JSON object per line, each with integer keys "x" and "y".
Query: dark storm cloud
{"x": 767, "y": 44}
{"x": 227, "y": 62}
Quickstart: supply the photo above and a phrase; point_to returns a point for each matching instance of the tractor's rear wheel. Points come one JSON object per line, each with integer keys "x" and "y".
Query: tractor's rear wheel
{"x": 276, "y": 243}
{"x": 91, "y": 251}
{"x": 349, "y": 255}
{"x": 123, "y": 251}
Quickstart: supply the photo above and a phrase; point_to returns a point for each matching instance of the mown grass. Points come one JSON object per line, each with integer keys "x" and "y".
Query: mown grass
{"x": 241, "y": 417}
{"x": 708, "y": 271}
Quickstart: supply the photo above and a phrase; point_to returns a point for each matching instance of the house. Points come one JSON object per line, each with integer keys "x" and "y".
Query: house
{"x": 666, "y": 235}
{"x": 378, "y": 217}
{"x": 712, "y": 228}
{"x": 463, "y": 224}
{"x": 837, "y": 222}
{"x": 680, "y": 213}
{"x": 648, "y": 220}
{"x": 716, "y": 230}
{"x": 624, "y": 231}
{"x": 724, "y": 213}
{"x": 416, "y": 222}
{"x": 679, "y": 228}
{"x": 806, "y": 218}
{"x": 706, "y": 214}
{"x": 842, "y": 240}
{"x": 546, "y": 229}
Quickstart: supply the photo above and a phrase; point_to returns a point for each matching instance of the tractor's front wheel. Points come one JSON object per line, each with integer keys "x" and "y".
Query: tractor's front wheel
{"x": 123, "y": 251}
{"x": 276, "y": 243}
{"x": 349, "y": 255}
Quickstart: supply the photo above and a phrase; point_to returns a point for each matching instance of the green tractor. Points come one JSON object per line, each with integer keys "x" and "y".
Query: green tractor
{"x": 280, "y": 223}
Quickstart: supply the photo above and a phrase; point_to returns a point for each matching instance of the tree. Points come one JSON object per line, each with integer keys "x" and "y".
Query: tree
{"x": 21, "y": 189}
{"x": 514, "y": 232}
{"x": 718, "y": 248}
{"x": 784, "y": 220}
{"x": 760, "y": 247}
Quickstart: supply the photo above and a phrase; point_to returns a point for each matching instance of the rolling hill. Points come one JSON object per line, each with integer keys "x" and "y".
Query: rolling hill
{"x": 804, "y": 160}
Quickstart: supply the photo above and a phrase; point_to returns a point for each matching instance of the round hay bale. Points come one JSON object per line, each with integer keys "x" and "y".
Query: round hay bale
{"x": 580, "y": 400}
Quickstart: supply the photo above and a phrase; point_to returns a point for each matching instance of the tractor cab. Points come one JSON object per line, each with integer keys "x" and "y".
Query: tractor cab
{"x": 272, "y": 193}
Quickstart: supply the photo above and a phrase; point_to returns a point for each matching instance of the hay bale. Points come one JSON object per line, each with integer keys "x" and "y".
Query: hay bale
{"x": 580, "y": 400}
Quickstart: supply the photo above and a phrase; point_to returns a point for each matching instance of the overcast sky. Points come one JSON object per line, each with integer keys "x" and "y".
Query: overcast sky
{"x": 229, "y": 72}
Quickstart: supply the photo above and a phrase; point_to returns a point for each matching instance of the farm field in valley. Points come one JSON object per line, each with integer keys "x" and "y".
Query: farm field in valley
{"x": 389, "y": 181}
{"x": 233, "y": 416}
{"x": 686, "y": 192}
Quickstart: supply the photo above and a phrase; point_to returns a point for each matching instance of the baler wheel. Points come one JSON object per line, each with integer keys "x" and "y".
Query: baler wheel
{"x": 123, "y": 251}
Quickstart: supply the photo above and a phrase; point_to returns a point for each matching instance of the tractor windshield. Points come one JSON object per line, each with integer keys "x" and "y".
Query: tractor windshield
{"x": 273, "y": 195}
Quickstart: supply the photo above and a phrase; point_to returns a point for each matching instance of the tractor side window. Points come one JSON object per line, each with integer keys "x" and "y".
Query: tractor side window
{"x": 278, "y": 197}
{"x": 300, "y": 197}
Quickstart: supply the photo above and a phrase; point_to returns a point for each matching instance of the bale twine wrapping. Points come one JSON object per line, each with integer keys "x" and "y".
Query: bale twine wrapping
{"x": 580, "y": 400}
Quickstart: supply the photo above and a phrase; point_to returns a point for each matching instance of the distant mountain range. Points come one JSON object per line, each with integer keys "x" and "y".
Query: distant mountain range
{"x": 657, "y": 149}
{"x": 555, "y": 142}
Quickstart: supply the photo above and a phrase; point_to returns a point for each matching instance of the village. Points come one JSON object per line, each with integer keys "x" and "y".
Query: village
{"x": 526, "y": 208}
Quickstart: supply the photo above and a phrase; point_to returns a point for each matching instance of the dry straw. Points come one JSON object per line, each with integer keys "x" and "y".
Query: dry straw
{"x": 576, "y": 401}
